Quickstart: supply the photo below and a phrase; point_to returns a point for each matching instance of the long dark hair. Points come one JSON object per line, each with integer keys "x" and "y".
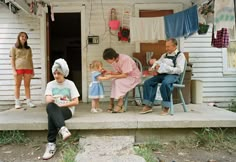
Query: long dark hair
{"x": 109, "y": 53}
{"x": 18, "y": 44}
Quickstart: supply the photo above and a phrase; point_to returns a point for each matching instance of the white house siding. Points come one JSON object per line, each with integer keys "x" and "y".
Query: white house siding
{"x": 10, "y": 25}
{"x": 96, "y": 22}
{"x": 208, "y": 67}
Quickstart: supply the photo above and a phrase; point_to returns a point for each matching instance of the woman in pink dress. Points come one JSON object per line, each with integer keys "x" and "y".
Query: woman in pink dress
{"x": 125, "y": 77}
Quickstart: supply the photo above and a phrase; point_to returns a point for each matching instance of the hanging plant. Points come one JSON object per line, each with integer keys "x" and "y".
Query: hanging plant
{"x": 207, "y": 8}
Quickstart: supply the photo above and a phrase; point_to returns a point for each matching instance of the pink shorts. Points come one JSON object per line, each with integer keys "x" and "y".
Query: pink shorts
{"x": 24, "y": 71}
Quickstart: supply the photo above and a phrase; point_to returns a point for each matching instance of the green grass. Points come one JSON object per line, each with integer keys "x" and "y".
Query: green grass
{"x": 207, "y": 138}
{"x": 13, "y": 137}
{"x": 147, "y": 151}
{"x": 216, "y": 138}
{"x": 211, "y": 139}
{"x": 69, "y": 149}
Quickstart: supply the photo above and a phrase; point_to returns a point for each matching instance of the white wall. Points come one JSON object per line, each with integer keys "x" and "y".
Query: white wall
{"x": 207, "y": 61}
{"x": 208, "y": 67}
{"x": 10, "y": 25}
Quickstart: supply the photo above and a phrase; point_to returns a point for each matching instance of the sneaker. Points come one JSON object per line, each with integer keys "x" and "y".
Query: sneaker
{"x": 50, "y": 151}
{"x": 65, "y": 133}
{"x": 99, "y": 110}
{"x": 17, "y": 104}
{"x": 30, "y": 104}
{"x": 93, "y": 110}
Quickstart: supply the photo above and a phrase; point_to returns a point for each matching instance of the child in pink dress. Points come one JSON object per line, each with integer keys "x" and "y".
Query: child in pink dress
{"x": 125, "y": 77}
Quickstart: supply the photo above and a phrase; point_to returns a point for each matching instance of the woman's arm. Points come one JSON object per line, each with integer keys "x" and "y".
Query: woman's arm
{"x": 106, "y": 77}
{"x": 31, "y": 61}
{"x": 73, "y": 102}
{"x": 12, "y": 55}
{"x": 111, "y": 73}
{"x": 49, "y": 99}
{"x": 117, "y": 76}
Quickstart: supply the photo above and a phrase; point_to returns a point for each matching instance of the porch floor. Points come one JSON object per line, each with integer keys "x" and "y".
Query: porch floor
{"x": 198, "y": 116}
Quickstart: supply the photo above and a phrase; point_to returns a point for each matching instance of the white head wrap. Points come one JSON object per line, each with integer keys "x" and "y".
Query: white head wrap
{"x": 61, "y": 66}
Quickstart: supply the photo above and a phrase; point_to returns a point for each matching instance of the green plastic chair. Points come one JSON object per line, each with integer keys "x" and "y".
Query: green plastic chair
{"x": 179, "y": 86}
{"x": 139, "y": 65}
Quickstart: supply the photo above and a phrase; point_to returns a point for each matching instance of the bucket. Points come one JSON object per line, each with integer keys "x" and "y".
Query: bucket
{"x": 114, "y": 24}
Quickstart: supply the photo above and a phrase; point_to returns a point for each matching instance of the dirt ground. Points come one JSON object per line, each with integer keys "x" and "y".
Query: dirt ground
{"x": 29, "y": 152}
{"x": 33, "y": 151}
{"x": 195, "y": 155}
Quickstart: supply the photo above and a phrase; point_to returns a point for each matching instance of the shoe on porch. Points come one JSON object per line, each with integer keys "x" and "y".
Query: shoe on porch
{"x": 17, "y": 104}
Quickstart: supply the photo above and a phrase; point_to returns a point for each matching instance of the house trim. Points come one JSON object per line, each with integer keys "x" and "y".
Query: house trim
{"x": 43, "y": 42}
{"x": 226, "y": 69}
{"x": 68, "y": 9}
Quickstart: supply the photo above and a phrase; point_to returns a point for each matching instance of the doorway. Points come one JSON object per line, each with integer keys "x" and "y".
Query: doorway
{"x": 64, "y": 41}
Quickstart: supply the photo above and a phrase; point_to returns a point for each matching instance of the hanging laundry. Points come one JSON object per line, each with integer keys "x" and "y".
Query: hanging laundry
{"x": 224, "y": 15}
{"x": 147, "y": 29}
{"x": 183, "y": 23}
{"x": 221, "y": 40}
{"x": 35, "y": 8}
{"x": 40, "y": 9}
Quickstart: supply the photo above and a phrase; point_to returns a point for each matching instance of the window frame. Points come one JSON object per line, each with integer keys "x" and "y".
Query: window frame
{"x": 227, "y": 70}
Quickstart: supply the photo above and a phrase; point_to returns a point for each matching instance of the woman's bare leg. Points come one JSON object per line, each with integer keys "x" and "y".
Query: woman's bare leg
{"x": 18, "y": 79}
{"x": 27, "y": 79}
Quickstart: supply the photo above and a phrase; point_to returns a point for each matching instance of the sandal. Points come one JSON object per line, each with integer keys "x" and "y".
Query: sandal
{"x": 111, "y": 107}
{"x": 118, "y": 109}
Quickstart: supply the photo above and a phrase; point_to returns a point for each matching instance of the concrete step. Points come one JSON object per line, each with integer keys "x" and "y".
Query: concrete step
{"x": 107, "y": 149}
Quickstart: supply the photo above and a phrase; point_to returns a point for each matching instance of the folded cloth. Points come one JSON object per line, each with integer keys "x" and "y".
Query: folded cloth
{"x": 61, "y": 66}
{"x": 183, "y": 23}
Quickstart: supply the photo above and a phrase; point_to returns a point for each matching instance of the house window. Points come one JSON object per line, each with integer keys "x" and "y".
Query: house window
{"x": 231, "y": 54}
{"x": 229, "y": 58}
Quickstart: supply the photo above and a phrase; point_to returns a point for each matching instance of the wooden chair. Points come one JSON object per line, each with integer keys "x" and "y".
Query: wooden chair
{"x": 179, "y": 86}
{"x": 139, "y": 65}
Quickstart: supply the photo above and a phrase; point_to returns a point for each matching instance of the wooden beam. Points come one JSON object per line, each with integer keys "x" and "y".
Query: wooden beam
{"x": 22, "y": 5}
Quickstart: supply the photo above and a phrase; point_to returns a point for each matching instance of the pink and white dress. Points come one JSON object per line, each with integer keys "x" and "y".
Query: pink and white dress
{"x": 121, "y": 86}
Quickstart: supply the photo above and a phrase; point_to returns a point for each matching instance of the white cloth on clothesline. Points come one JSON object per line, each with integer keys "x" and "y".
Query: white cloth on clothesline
{"x": 147, "y": 29}
{"x": 224, "y": 16}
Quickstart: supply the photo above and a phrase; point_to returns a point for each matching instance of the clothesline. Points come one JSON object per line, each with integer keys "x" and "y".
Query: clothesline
{"x": 180, "y": 24}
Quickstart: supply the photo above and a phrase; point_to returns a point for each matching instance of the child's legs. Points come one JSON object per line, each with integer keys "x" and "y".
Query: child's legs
{"x": 94, "y": 103}
{"x": 97, "y": 103}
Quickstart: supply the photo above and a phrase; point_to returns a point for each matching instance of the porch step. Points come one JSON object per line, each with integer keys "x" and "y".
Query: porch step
{"x": 107, "y": 148}
{"x": 198, "y": 116}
